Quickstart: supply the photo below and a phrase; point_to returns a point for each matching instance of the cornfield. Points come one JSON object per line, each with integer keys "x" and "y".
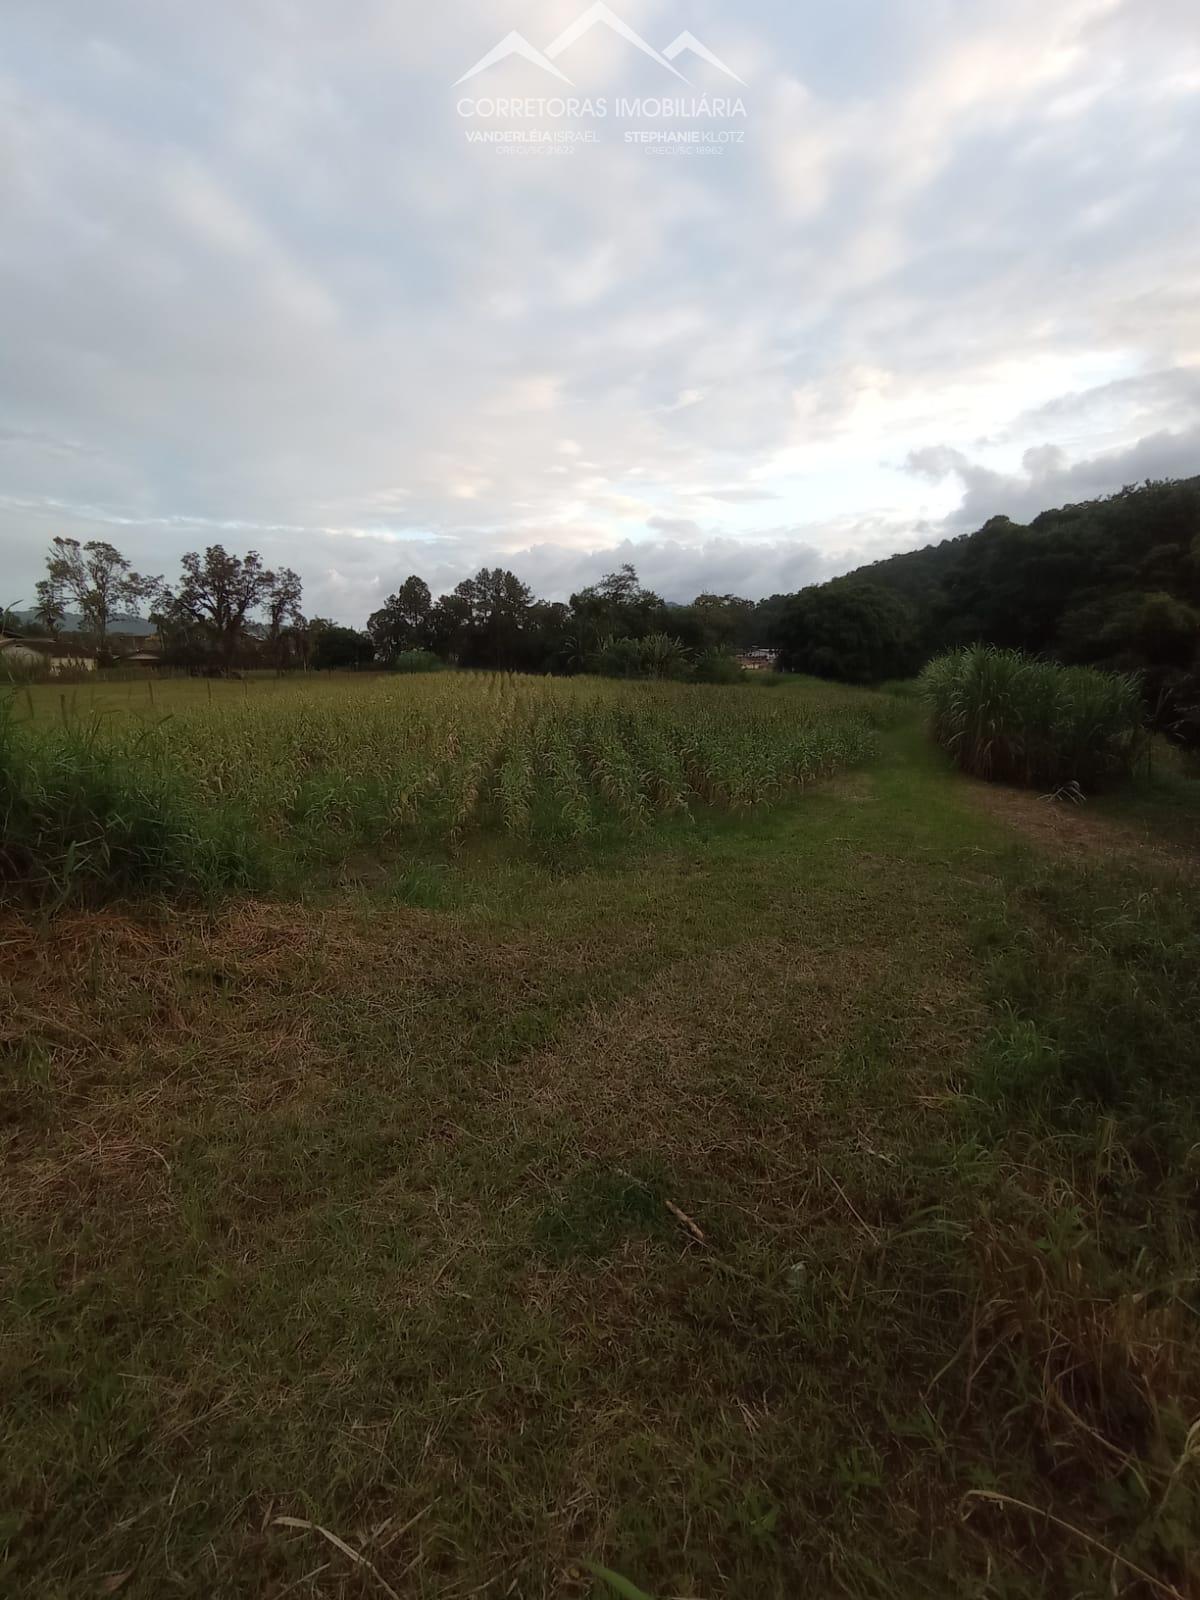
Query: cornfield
{"x": 460, "y": 752}
{"x": 318, "y": 767}
{"x": 1010, "y": 718}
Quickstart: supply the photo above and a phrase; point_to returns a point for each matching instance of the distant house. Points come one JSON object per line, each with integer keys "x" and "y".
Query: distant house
{"x": 21, "y": 656}
{"x": 124, "y": 633}
{"x": 72, "y": 658}
{"x": 758, "y": 660}
{"x": 142, "y": 658}
{"x": 133, "y": 627}
{"x": 26, "y": 655}
{"x": 132, "y": 636}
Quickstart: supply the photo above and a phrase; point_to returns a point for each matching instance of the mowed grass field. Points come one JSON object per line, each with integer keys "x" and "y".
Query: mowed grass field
{"x": 783, "y": 1184}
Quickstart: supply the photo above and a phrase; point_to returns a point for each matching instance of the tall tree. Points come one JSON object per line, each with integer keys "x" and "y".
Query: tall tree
{"x": 728, "y": 619}
{"x": 450, "y": 626}
{"x": 342, "y": 647}
{"x": 282, "y": 603}
{"x": 309, "y": 637}
{"x": 220, "y": 591}
{"x": 97, "y": 580}
{"x": 491, "y": 615}
{"x": 51, "y": 611}
{"x": 183, "y": 640}
{"x": 848, "y": 629}
{"x": 403, "y": 621}
{"x": 617, "y": 605}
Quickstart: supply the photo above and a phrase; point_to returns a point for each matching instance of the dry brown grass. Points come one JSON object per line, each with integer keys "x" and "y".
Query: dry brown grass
{"x": 650, "y": 1073}
{"x": 178, "y": 1055}
{"x": 1077, "y": 832}
{"x": 637, "y": 1215}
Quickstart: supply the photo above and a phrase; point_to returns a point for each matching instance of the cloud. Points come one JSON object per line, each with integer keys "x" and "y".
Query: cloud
{"x": 256, "y": 286}
{"x": 1048, "y": 479}
{"x": 683, "y": 567}
{"x": 1161, "y": 397}
{"x": 740, "y": 494}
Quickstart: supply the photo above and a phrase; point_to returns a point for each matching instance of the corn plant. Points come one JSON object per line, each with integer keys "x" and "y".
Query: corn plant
{"x": 322, "y": 766}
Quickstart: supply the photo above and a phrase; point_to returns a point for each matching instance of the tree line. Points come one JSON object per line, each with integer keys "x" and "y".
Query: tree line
{"x": 225, "y": 611}
{"x": 615, "y": 626}
{"x": 230, "y": 610}
{"x": 1113, "y": 582}
{"x": 220, "y": 603}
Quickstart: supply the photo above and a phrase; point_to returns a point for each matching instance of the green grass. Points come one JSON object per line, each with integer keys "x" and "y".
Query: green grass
{"x": 735, "y": 1208}
{"x": 1163, "y": 802}
{"x": 1011, "y": 718}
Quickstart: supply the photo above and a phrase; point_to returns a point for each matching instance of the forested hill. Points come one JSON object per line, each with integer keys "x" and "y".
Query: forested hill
{"x": 1114, "y": 582}
{"x": 1060, "y": 582}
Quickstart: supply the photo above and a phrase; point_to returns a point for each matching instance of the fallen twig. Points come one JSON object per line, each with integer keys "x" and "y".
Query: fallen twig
{"x": 682, "y": 1217}
{"x": 998, "y": 1499}
{"x": 866, "y": 1227}
{"x": 339, "y": 1544}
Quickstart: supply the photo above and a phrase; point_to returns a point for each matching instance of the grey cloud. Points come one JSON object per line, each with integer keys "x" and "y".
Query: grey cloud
{"x": 937, "y": 461}
{"x": 256, "y": 286}
{"x": 1171, "y": 393}
{"x": 681, "y": 570}
{"x": 680, "y": 527}
{"x": 1050, "y": 480}
{"x": 33, "y": 439}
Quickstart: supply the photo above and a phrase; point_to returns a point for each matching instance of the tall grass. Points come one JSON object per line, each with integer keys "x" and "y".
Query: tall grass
{"x": 83, "y": 819}
{"x": 1011, "y": 718}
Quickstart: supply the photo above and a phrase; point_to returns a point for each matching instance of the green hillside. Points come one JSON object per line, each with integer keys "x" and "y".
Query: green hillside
{"x": 1112, "y": 582}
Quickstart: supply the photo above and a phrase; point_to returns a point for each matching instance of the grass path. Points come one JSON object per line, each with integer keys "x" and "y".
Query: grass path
{"x": 498, "y": 1218}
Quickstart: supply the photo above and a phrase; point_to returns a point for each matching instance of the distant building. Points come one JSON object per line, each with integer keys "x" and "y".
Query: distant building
{"x": 758, "y": 660}
{"x": 124, "y": 633}
{"x": 20, "y": 655}
{"x": 71, "y": 658}
{"x": 25, "y": 655}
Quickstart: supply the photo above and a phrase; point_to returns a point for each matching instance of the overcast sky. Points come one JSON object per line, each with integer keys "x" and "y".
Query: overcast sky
{"x": 260, "y": 286}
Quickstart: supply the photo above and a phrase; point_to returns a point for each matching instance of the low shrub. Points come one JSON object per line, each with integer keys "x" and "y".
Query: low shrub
{"x": 718, "y": 666}
{"x": 1179, "y": 712}
{"x": 416, "y": 661}
{"x": 658, "y": 655}
{"x": 1012, "y": 718}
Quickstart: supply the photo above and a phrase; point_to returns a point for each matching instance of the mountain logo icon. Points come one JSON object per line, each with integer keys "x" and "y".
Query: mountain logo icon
{"x": 598, "y": 15}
